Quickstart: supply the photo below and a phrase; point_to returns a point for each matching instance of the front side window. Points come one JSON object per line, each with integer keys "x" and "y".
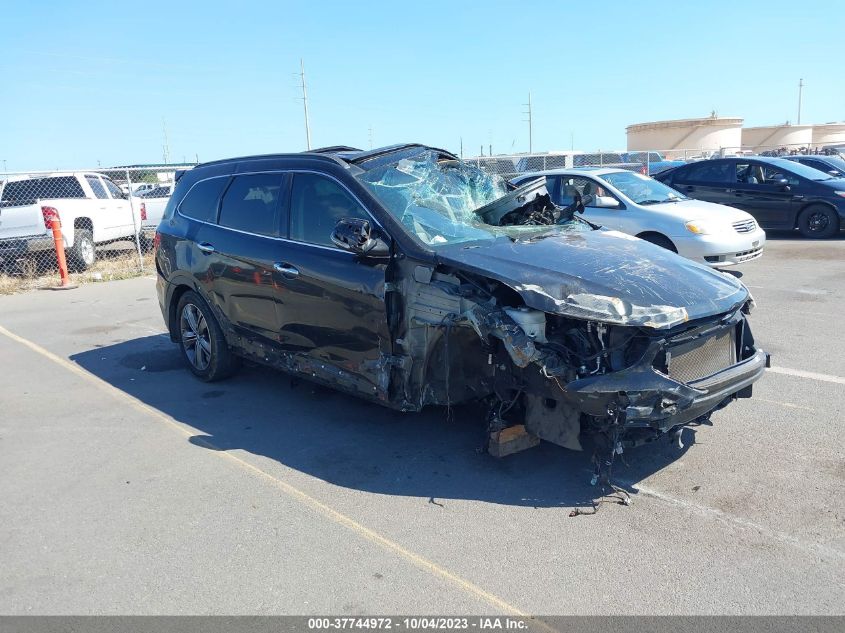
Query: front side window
{"x": 317, "y": 203}
{"x": 759, "y": 174}
{"x": 114, "y": 190}
{"x": 97, "y": 187}
{"x": 202, "y": 200}
{"x": 252, "y": 203}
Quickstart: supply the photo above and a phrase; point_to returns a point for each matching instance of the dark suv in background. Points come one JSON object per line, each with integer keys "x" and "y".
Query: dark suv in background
{"x": 779, "y": 193}
{"x": 408, "y": 277}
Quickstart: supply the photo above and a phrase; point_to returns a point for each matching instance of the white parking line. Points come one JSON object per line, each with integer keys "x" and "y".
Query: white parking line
{"x": 816, "y": 548}
{"x": 789, "y": 405}
{"x": 800, "y": 373}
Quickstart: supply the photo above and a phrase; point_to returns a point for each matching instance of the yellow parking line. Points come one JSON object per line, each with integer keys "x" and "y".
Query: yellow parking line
{"x": 288, "y": 489}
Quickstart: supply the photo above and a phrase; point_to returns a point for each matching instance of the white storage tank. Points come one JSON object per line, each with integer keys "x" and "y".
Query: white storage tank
{"x": 703, "y": 135}
{"x": 828, "y": 134}
{"x": 769, "y": 137}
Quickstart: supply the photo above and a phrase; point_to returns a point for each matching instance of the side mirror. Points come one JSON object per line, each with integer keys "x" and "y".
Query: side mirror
{"x": 357, "y": 236}
{"x": 605, "y": 202}
{"x": 781, "y": 182}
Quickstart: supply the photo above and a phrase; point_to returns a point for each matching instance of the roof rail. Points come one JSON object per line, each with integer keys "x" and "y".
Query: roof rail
{"x": 332, "y": 149}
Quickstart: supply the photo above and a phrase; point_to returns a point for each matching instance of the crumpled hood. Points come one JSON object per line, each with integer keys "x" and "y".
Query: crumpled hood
{"x": 604, "y": 276}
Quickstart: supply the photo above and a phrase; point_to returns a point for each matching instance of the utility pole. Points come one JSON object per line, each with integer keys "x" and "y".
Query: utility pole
{"x": 800, "y": 90}
{"x": 305, "y": 102}
{"x": 6, "y": 171}
{"x": 462, "y": 153}
{"x": 166, "y": 146}
{"x": 530, "y": 126}
{"x": 371, "y": 137}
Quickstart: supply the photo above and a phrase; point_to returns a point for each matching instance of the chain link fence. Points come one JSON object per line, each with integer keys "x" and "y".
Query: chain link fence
{"x": 102, "y": 220}
{"x": 648, "y": 162}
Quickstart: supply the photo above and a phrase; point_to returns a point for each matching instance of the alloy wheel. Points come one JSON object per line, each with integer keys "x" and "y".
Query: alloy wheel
{"x": 196, "y": 338}
{"x": 817, "y": 222}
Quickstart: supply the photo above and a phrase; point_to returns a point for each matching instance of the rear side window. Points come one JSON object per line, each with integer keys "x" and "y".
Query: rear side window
{"x": 707, "y": 172}
{"x": 96, "y": 187}
{"x": 201, "y": 202}
{"x": 252, "y": 203}
{"x": 27, "y": 191}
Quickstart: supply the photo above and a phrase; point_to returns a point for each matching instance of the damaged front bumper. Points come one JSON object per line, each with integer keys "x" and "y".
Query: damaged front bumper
{"x": 644, "y": 397}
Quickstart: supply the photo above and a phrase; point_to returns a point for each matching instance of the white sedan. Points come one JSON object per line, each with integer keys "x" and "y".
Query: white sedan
{"x": 712, "y": 234}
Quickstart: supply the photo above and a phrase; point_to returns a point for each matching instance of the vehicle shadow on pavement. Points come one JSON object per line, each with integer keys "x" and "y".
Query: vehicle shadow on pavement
{"x": 356, "y": 444}
{"x": 785, "y": 235}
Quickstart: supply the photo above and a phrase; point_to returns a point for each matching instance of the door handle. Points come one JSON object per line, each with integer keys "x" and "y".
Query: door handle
{"x": 690, "y": 188}
{"x": 205, "y": 247}
{"x": 291, "y": 272}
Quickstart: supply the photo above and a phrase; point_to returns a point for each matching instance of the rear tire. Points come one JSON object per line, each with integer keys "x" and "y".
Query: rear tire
{"x": 83, "y": 254}
{"x": 818, "y": 222}
{"x": 659, "y": 240}
{"x": 201, "y": 340}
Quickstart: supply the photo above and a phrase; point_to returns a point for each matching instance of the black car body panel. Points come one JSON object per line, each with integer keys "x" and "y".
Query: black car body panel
{"x": 565, "y": 328}
{"x": 775, "y": 205}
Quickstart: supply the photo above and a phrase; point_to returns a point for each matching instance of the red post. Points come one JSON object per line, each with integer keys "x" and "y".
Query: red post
{"x": 56, "y": 225}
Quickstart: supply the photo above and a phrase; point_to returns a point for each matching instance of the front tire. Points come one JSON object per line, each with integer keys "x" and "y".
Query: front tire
{"x": 201, "y": 340}
{"x": 818, "y": 222}
{"x": 83, "y": 254}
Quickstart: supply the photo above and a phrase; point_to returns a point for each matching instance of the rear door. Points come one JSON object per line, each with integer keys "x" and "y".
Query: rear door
{"x": 122, "y": 211}
{"x": 106, "y": 222}
{"x": 758, "y": 191}
{"x": 331, "y": 304}
{"x": 710, "y": 180}
{"x": 246, "y": 246}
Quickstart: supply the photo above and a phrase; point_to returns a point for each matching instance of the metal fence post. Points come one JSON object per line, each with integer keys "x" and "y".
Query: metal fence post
{"x": 135, "y": 226}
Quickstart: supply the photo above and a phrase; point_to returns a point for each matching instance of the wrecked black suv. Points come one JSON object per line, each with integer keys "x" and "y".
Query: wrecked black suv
{"x": 410, "y": 278}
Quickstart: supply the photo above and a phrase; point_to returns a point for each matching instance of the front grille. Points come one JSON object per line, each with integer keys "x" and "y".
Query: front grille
{"x": 745, "y": 226}
{"x": 699, "y": 359}
{"x": 744, "y": 256}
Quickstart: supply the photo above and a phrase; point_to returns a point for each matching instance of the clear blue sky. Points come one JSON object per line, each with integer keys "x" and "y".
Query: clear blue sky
{"x": 88, "y": 82}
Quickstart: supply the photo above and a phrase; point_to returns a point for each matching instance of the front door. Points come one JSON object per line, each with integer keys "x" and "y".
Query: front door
{"x": 759, "y": 190}
{"x": 122, "y": 211}
{"x": 331, "y": 308}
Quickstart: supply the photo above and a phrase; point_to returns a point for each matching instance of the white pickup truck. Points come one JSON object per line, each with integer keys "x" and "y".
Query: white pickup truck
{"x": 92, "y": 209}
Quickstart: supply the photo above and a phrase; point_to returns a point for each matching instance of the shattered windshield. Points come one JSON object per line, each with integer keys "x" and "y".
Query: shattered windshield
{"x": 447, "y": 201}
